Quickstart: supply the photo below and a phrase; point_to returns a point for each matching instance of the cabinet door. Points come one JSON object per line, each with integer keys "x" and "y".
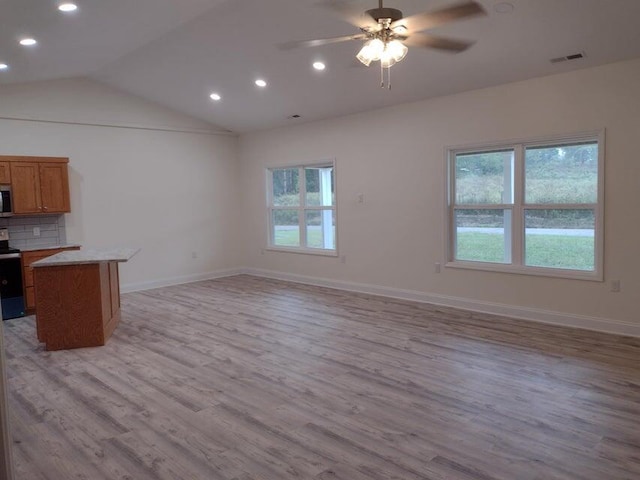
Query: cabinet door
{"x": 25, "y": 182}
{"x": 54, "y": 186}
{"x": 5, "y": 173}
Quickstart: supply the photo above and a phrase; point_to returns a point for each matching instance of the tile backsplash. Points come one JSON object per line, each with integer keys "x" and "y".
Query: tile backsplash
{"x": 21, "y": 234}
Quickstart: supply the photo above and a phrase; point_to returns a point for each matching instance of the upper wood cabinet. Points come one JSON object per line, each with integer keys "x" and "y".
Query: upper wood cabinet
{"x": 54, "y": 188}
{"x": 39, "y": 185}
{"x": 25, "y": 183}
{"x": 5, "y": 172}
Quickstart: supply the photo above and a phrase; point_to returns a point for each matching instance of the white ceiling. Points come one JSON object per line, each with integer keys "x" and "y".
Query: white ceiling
{"x": 176, "y": 52}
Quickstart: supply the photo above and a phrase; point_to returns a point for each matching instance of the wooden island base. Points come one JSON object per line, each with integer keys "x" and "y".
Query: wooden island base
{"x": 78, "y": 305}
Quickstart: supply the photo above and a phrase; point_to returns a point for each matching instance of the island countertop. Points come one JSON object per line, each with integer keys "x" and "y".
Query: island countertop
{"x": 87, "y": 256}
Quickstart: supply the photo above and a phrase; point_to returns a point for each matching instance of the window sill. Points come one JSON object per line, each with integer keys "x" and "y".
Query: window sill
{"x": 522, "y": 270}
{"x": 303, "y": 251}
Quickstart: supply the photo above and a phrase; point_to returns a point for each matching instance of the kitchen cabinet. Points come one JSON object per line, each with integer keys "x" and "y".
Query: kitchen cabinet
{"x": 26, "y": 188}
{"x": 78, "y": 295}
{"x": 54, "y": 187}
{"x": 27, "y": 273}
{"x": 79, "y": 304}
{"x": 5, "y": 172}
{"x": 40, "y": 185}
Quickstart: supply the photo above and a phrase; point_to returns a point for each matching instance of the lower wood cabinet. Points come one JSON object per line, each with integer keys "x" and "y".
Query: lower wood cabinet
{"x": 78, "y": 304}
{"x": 27, "y": 274}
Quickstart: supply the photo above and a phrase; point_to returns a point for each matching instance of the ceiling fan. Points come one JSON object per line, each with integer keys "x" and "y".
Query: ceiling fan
{"x": 387, "y": 34}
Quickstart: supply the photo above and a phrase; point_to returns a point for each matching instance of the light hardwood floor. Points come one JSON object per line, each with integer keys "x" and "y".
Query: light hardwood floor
{"x": 247, "y": 378}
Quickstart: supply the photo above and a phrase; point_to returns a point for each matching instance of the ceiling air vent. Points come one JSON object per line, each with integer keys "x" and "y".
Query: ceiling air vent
{"x": 574, "y": 56}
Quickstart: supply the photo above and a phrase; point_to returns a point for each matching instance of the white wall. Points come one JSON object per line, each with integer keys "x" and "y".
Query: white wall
{"x": 123, "y": 180}
{"x": 167, "y": 185}
{"x": 395, "y": 157}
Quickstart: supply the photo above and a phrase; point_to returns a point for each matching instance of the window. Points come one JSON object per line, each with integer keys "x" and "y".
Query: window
{"x": 528, "y": 207}
{"x": 302, "y": 208}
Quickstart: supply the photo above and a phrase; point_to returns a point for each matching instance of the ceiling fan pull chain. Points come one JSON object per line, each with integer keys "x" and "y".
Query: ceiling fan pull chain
{"x": 389, "y": 78}
{"x": 381, "y": 76}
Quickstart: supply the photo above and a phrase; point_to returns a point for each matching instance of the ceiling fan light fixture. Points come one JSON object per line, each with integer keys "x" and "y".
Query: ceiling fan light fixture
{"x": 364, "y": 56}
{"x": 371, "y": 51}
{"x": 396, "y": 49}
{"x": 387, "y": 61}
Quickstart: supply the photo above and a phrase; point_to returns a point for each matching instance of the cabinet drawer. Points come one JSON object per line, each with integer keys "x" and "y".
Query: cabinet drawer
{"x": 28, "y": 277}
{"x": 27, "y": 272}
{"x": 28, "y": 258}
{"x": 30, "y": 298}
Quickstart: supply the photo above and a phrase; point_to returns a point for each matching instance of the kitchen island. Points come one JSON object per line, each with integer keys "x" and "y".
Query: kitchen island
{"x": 78, "y": 297}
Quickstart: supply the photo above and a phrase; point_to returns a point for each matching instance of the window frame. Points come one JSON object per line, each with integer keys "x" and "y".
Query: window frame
{"x": 517, "y": 265}
{"x": 302, "y": 208}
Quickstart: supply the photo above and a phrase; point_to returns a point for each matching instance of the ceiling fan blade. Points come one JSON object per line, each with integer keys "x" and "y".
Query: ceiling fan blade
{"x": 430, "y": 41}
{"x": 351, "y": 14}
{"x": 422, "y": 21}
{"x": 321, "y": 41}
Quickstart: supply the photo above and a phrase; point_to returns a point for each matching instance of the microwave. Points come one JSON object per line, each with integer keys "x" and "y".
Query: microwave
{"x": 6, "y": 209}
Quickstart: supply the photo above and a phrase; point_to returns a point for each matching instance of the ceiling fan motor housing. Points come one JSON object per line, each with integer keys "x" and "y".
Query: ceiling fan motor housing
{"x": 379, "y": 13}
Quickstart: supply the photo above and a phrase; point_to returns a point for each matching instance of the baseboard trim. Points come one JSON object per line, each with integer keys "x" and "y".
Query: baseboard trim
{"x": 525, "y": 313}
{"x": 168, "y": 282}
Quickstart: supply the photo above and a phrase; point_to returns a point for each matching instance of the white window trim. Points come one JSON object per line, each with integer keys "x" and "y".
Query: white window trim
{"x": 518, "y": 228}
{"x": 270, "y": 207}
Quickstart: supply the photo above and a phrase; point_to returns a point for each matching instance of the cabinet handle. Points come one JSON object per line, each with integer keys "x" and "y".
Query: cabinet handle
{"x": 44, "y": 208}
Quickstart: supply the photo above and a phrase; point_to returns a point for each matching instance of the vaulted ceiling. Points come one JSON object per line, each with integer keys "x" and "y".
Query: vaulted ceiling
{"x": 176, "y": 53}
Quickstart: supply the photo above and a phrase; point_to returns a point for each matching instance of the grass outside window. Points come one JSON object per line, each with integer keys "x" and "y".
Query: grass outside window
{"x": 528, "y": 206}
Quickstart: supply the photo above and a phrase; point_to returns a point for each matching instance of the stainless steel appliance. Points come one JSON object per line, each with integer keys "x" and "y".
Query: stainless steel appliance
{"x": 11, "y": 294}
{"x": 6, "y": 208}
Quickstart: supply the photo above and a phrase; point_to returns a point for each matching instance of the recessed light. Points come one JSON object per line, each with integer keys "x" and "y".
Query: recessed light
{"x": 3, "y": 66}
{"x": 261, "y": 83}
{"x": 503, "y": 7}
{"x": 67, "y": 7}
{"x": 27, "y": 42}
{"x": 319, "y": 66}
{"x": 215, "y": 96}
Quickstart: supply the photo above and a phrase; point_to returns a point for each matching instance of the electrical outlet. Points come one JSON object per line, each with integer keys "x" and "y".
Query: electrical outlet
{"x": 36, "y": 231}
{"x": 343, "y": 259}
{"x": 615, "y": 286}
{"x": 194, "y": 255}
{"x": 437, "y": 267}
{"x": 360, "y": 198}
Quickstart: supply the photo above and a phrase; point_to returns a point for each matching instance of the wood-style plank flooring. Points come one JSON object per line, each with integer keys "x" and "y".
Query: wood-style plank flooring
{"x": 247, "y": 378}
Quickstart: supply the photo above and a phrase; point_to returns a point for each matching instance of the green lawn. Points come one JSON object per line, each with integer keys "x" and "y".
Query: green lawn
{"x": 558, "y": 251}
{"x": 291, "y": 238}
